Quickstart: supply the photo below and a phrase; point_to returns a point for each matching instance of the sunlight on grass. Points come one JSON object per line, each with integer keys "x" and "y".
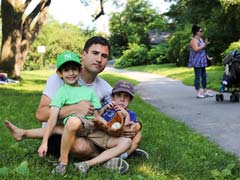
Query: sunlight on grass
{"x": 184, "y": 74}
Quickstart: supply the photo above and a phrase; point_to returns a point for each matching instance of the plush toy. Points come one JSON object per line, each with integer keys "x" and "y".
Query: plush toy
{"x": 113, "y": 127}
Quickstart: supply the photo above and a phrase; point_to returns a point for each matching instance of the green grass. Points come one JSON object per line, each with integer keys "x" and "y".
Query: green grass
{"x": 185, "y": 74}
{"x": 176, "y": 152}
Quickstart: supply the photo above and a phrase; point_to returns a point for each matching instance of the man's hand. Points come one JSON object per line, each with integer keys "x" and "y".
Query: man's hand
{"x": 130, "y": 130}
{"x": 83, "y": 107}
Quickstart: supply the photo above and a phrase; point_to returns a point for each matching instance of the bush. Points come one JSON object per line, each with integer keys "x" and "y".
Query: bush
{"x": 157, "y": 54}
{"x": 233, "y": 46}
{"x": 134, "y": 56}
{"x": 178, "y": 51}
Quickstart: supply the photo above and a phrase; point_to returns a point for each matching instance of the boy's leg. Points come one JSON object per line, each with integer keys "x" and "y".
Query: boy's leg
{"x": 134, "y": 151}
{"x": 116, "y": 145}
{"x": 135, "y": 142}
{"x": 68, "y": 137}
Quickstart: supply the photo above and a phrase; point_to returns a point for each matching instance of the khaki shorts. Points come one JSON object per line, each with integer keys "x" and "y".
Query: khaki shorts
{"x": 98, "y": 137}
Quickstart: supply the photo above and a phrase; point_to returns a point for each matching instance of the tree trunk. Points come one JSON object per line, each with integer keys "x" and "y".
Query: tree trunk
{"x": 18, "y": 35}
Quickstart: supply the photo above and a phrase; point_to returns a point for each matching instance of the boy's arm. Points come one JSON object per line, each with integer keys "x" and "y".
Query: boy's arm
{"x": 52, "y": 121}
{"x": 99, "y": 117}
{"x": 103, "y": 109}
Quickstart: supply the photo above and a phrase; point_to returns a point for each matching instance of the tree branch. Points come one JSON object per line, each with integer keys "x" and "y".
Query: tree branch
{"x": 101, "y": 12}
{"x": 41, "y": 9}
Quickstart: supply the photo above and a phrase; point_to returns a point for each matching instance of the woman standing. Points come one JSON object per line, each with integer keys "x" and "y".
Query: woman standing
{"x": 198, "y": 60}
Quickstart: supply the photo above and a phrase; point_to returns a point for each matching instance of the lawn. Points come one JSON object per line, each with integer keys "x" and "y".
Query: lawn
{"x": 176, "y": 152}
{"x": 185, "y": 74}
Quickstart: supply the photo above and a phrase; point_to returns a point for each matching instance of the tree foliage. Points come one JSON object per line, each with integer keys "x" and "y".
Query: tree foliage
{"x": 56, "y": 38}
{"x": 132, "y": 25}
{"x": 19, "y": 32}
{"x": 218, "y": 18}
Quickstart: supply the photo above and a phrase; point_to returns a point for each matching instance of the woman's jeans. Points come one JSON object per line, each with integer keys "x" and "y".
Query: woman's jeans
{"x": 200, "y": 75}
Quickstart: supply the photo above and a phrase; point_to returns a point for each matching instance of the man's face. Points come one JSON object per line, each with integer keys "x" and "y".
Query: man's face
{"x": 95, "y": 60}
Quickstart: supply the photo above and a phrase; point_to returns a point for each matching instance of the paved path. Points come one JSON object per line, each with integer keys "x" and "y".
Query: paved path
{"x": 219, "y": 121}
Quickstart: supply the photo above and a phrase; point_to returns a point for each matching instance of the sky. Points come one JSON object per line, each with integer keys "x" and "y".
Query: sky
{"x": 73, "y": 12}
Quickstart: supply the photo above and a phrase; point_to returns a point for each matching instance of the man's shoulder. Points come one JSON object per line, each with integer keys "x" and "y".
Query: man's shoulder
{"x": 54, "y": 77}
{"x": 101, "y": 82}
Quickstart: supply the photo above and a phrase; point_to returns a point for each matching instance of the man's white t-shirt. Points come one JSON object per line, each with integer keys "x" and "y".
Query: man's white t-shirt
{"x": 100, "y": 86}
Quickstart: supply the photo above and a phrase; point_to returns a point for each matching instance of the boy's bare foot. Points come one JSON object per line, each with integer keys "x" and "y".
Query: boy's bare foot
{"x": 17, "y": 133}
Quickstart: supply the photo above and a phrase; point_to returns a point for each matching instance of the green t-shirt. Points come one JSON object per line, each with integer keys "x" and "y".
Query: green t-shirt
{"x": 68, "y": 95}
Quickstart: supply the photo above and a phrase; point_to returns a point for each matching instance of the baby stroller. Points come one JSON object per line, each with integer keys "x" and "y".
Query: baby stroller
{"x": 231, "y": 78}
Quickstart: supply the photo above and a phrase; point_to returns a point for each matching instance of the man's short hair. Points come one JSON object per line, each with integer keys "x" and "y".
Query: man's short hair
{"x": 96, "y": 40}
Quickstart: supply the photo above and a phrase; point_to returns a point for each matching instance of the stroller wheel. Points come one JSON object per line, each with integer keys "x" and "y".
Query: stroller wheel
{"x": 234, "y": 97}
{"x": 237, "y": 97}
{"x": 221, "y": 97}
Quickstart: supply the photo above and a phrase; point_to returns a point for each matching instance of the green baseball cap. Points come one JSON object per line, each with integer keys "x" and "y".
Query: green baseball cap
{"x": 66, "y": 57}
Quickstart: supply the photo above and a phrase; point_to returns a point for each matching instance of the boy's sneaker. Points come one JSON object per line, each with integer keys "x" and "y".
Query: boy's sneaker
{"x": 117, "y": 164}
{"x": 140, "y": 153}
{"x": 60, "y": 169}
{"x": 82, "y": 166}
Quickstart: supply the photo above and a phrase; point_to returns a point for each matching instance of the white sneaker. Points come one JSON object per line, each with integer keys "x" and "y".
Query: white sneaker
{"x": 200, "y": 96}
{"x": 208, "y": 94}
{"x": 140, "y": 153}
{"x": 117, "y": 164}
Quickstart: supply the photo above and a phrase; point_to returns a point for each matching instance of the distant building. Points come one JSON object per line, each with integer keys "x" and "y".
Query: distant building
{"x": 156, "y": 37}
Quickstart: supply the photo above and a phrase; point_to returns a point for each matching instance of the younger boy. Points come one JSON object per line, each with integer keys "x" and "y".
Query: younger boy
{"x": 122, "y": 95}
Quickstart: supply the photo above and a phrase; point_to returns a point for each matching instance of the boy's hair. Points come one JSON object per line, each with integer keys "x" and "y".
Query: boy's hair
{"x": 96, "y": 40}
{"x": 69, "y": 65}
{"x": 123, "y": 86}
{"x": 69, "y": 59}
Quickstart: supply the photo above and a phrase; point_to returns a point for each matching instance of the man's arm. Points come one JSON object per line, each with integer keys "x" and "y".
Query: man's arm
{"x": 43, "y": 111}
{"x": 83, "y": 108}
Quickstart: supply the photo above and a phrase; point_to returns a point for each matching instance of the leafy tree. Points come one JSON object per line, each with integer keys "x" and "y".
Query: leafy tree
{"x": 133, "y": 23}
{"x": 18, "y": 32}
{"x": 56, "y": 38}
{"x": 219, "y": 19}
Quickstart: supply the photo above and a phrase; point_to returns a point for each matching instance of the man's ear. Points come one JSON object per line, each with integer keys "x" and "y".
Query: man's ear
{"x": 59, "y": 73}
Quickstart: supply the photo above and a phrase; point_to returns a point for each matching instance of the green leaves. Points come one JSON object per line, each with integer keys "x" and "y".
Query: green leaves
{"x": 23, "y": 168}
{"x": 4, "y": 171}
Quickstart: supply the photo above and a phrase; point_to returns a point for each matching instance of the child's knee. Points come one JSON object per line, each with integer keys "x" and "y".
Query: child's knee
{"x": 73, "y": 123}
{"x": 127, "y": 142}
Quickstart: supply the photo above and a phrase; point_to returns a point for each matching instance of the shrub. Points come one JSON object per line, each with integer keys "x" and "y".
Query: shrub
{"x": 135, "y": 55}
{"x": 157, "y": 54}
{"x": 233, "y": 46}
{"x": 178, "y": 51}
